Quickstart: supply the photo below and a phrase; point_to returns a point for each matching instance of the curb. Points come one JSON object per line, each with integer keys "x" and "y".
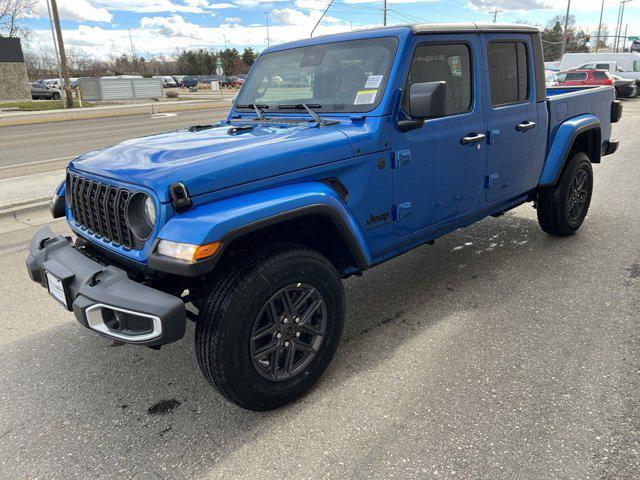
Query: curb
{"x": 24, "y": 207}
{"x": 102, "y": 112}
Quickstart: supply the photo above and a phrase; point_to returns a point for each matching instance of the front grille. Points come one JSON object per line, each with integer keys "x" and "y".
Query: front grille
{"x": 100, "y": 209}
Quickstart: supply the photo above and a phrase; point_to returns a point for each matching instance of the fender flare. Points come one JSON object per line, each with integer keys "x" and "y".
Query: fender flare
{"x": 228, "y": 219}
{"x": 561, "y": 147}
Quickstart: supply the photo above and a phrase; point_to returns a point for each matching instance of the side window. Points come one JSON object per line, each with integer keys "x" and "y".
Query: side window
{"x": 600, "y": 75}
{"x": 636, "y": 65}
{"x": 588, "y": 66}
{"x": 508, "y": 72}
{"x": 602, "y": 66}
{"x": 448, "y": 63}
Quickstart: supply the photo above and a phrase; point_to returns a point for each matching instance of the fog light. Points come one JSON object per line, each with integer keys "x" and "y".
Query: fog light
{"x": 186, "y": 251}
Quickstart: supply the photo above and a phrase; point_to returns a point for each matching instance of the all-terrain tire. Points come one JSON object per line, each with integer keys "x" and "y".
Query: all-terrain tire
{"x": 563, "y": 207}
{"x": 240, "y": 293}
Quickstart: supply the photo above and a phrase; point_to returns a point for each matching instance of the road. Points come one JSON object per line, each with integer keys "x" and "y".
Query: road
{"x": 499, "y": 353}
{"x": 23, "y": 144}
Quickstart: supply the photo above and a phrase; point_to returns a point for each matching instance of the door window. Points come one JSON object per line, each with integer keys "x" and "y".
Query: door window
{"x": 443, "y": 63}
{"x": 600, "y": 75}
{"x": 508, "y": 73}
{"x": 574, "y": 77}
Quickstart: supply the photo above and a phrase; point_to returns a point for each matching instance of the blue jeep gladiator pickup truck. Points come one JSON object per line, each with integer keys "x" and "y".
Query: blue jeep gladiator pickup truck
{"x": 339, "y": 153}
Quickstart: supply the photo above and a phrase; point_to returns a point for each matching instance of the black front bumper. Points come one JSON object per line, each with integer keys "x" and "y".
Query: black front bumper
{"x": 97, "y": 294}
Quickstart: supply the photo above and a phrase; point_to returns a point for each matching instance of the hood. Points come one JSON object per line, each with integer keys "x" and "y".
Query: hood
{"x": 213, "y": 159}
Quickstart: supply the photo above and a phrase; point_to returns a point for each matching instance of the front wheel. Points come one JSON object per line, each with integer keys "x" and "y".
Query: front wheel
{"x": 55, "y": 96}
{"x": 270, "y": 326}
{"x": 563, "y": 207}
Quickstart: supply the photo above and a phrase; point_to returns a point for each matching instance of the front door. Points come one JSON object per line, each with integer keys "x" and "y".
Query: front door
{"x": 440, "y": 167}
{"x": 516, "y": 136}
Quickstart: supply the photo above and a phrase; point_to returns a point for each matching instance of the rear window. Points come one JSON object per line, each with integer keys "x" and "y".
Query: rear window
{"x": 574, "y": 77}
{"x": 600, "y": 75}
{"x": 508, "y": 72}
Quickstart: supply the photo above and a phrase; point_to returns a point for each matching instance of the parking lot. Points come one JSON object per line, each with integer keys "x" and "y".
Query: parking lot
{"x": 499, "y": 352}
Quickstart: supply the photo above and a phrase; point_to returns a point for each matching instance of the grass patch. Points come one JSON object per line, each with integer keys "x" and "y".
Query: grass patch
{"x": 36, "y": 105}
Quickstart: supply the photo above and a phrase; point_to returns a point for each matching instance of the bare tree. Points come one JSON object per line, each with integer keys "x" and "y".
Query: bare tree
{"x": 13, "y": 16}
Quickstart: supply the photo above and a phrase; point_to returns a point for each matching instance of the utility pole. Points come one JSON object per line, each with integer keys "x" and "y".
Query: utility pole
{"x": 495, "y": 14}
{"x": 624, "y": 39}
{"x": 599, "y": 27}
{"x": 55, "y": 46}
{"x": 566, "y": 28}
{"x": 133, "y": 54}
{"x": 384, "y": 12}
{"x": 63, "y": 55}
{"x": 267, "y": 15}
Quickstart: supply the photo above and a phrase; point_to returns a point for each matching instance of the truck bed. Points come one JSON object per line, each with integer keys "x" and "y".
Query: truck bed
{"x": 569, "y": 102}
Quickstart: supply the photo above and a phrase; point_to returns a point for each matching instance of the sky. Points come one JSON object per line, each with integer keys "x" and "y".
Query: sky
{"x": 162, "y": 27}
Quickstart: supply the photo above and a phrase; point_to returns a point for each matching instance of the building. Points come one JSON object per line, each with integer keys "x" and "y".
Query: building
{"x": 14, "y": 84}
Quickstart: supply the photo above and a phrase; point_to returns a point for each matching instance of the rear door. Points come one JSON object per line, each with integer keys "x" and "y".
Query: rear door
{"x": 516, "y": 141}
{"x": 438, "y": 175}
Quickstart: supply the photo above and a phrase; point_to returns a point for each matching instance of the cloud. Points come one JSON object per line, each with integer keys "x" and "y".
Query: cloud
{"x": 311, "y": 4}
{"x": 173, "y": 26}
{"x": 150, "y": 6}
{"x": 236, "y": 20}
{"x": 290, "y": 16}
{"x": 76, "y": 10}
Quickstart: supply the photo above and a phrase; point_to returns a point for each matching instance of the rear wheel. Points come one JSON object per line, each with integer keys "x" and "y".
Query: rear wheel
{"x": 563, "y": 207}
{"x": 270, "y": 326}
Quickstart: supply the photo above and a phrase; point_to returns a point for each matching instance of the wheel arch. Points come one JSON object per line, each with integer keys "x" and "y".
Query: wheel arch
{"x": 310, "y": 213}
{"x": 580, "y": 134}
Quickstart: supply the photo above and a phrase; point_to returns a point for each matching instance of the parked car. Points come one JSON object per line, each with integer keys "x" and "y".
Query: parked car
{"x": 575, "y": 78}
{"x": 40, "y": 91}
{"x": 167, "y": 81}
{"x": 625, "y": 88}
{"x": 254, "y": 221}
{"x": 188, "y": 82}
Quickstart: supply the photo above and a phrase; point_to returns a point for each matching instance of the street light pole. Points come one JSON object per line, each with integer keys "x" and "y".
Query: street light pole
{"x": 623, "y": 3}
{"x": 267, "y": 15}
{"x": 599, "y": 26}
{"x": 63, "y": 55}
{"x": 566, "y": 27}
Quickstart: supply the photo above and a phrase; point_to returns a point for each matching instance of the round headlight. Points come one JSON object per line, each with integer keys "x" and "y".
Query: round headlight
{"x": 150, "y": 211}
{"x": 141, "y": 215}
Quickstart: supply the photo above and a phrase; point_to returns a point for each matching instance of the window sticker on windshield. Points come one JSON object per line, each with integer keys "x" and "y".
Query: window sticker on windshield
{"x": 365, "y": 97}
{"x": 373, "y": 81}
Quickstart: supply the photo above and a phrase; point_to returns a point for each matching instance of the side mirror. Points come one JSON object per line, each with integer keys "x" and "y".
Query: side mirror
{"x": 426, "y": 100}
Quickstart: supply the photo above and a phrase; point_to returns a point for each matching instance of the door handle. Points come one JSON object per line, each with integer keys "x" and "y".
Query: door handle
{"x": 473, "y": 138}
{"x": 524, "y": 126}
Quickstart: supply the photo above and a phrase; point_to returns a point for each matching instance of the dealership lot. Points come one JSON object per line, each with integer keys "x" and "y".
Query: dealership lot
{"x": 499, "y": 352}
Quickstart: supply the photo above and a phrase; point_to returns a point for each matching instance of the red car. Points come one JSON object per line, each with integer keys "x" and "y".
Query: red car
{"x": 584, "y": 77}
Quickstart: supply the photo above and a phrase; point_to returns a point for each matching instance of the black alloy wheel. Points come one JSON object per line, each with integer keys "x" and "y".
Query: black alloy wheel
{"x": 288, "y": 332}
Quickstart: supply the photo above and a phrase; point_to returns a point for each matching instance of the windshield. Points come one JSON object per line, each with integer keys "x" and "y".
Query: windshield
{"x": 333, "y": 77}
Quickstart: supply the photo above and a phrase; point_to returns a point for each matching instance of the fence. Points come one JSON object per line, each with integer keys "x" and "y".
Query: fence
{"x": 113, "y": 89}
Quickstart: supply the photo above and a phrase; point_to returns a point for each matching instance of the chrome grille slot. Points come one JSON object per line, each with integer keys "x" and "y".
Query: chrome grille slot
{"x": 101, "y": 209}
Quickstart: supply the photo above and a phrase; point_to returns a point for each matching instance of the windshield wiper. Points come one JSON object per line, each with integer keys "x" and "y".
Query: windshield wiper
{"x": 258, "y": 108}
{"x": 308, "y": 108}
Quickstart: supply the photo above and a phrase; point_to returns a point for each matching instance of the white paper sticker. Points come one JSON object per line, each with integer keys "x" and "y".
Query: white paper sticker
{"x": 373, "y": 81}
{"x": 365, "y": 97}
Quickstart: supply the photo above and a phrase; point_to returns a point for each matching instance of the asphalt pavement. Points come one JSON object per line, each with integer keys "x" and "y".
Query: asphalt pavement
{"x": 499, "y": 352}
{"x": 41, "y": 143}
